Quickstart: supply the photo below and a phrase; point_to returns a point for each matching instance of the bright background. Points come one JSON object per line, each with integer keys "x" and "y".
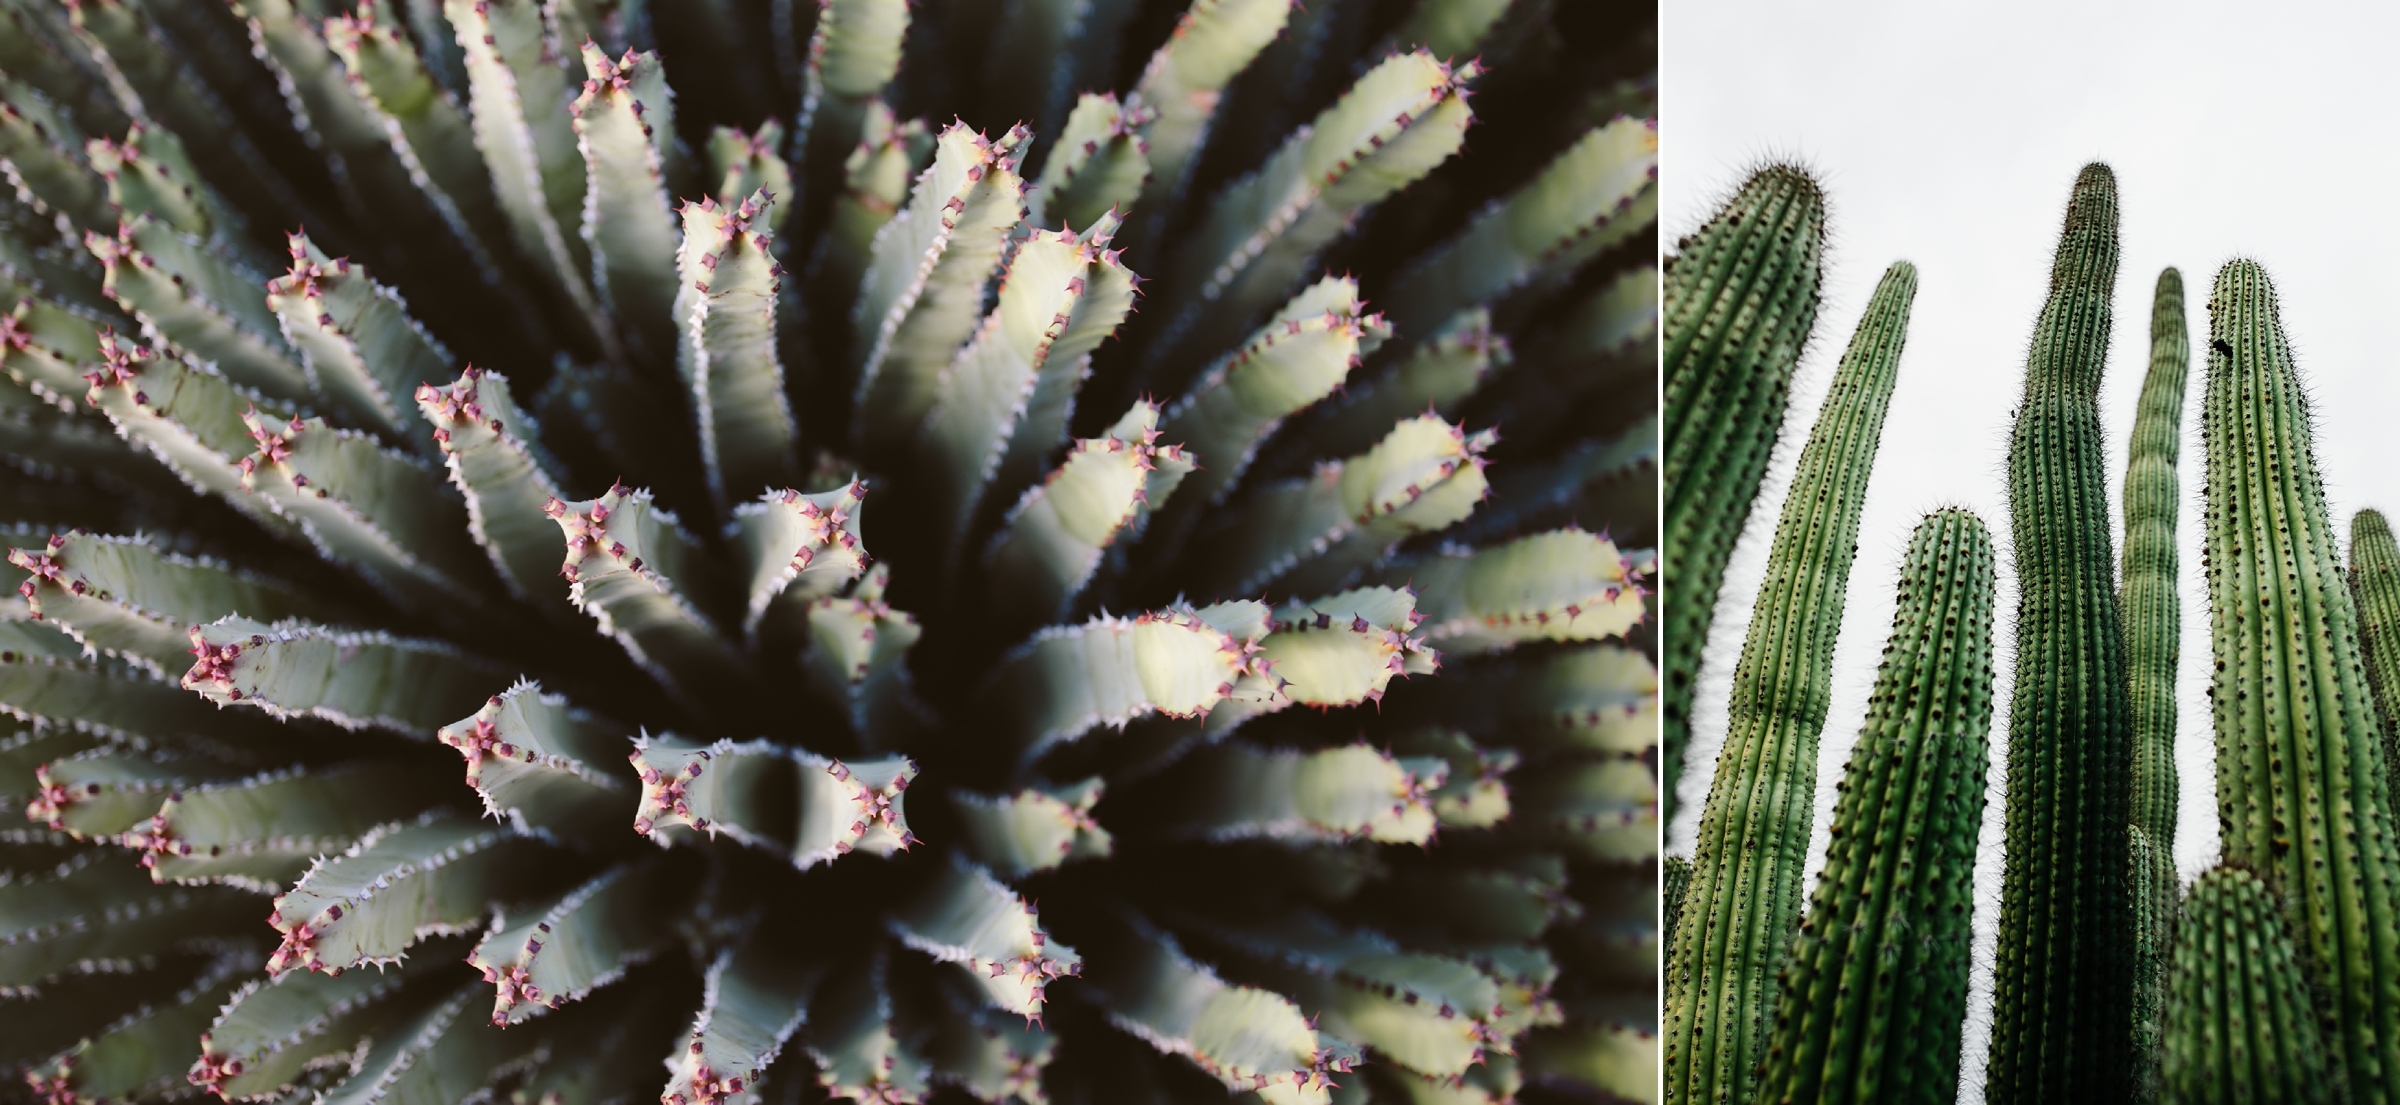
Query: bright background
{"x": 1951, "y": 141}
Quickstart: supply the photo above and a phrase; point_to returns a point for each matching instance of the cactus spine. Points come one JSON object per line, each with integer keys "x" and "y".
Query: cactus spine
{"x": 1876, "y": 997}
{"x": 2063, "y": 992}
{"x": 2375, "y": 588}
{"x": 2299, "y": 762}
{"x": 1741, "y": 297}
{"x": 2153, "y": 625}
{"x": 1744, "y": 900}
{"x": 2239, "y": 1025}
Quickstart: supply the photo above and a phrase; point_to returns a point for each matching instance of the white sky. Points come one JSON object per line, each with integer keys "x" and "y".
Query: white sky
{"x": 1952, "y": 141}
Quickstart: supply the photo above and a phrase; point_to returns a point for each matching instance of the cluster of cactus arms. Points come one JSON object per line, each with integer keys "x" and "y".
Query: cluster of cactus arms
{"x": 397, "y": 386}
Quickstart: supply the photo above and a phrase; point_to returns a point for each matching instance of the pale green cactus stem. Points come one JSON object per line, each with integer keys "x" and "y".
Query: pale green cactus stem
{"x": 495, "y": 458}
{"x": 756, "y": 998}
{"x": 364, "y": 906}
{"x": 1053, "y": 540}
{"x": 542, "y": 765}
{"x": 632, "y": 568}
{"x": 852, "y": 56}
{"x": 875, "y": 182}
{"x": 269, "y": 1031}
{"x": 1564, "y": 585}
{"x": 624, "y": 122}
{"x": 1237, "y": 791}
{"x": 1249, "y": 1038}
{"x": 44, "y": 348}
{"x": 2375, "y": 590}
{"x": 559, "y": 948}
{"x": 353, "y": 679}
{"x": 125, "y": 598}
{"x": 858, "y": 1055}
{"x": 200, "y": 302}
{"x": 45, "y": 911}
{"x": 362, "y": 349}
{"x": 143, "y": 1054}
{"x": 738, "y": 789}
{"x": 264, "y": 831}
{"x": 741, "y": 163}
{"x": 1097, "y": 166}
{"x": 725, "y": 314}
{"x": 1213, "y": 42}
{"x": 1035, "y": 829}
{"x": 100, "y": 793}
{"x": 799, "y": 548}
{"x": 968, "y": 918}
{"x": 39, "y": 143}
{"x": 1436, "y": 375}
{"x": 188, "y": 416}
{"x": 1045, "y": 50}
{"x": 857, "y": 656}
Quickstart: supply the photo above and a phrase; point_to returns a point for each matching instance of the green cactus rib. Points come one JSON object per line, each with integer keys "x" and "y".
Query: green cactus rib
{"x": 537, "y": 763}
{"x": 857, "y": 1052}
{"x": 147, "y": 1051}
{"x": 353, "y": 679}
{"x": 429, "y": 133}
{"x": 2153, "y": 633}
{"x": 1563, "y": 585}
{"x": 1236, "y": 791}
{"x": 875, "y": 182}
{"x": 399, "y": 884}
{"x": 1437, "y": 374}
{"x": 1097, "y": 167}
{"x": 1740, "y": 299}
{"x": 38, "y": 143}
{"x": 2062, "y": 997}
{"x": 262, "y": 832}
{"x": 852, "y": 56}
{"x": 2375, "y": 591}
{"x": 1475, "y": 794}
{"x": 268, "y": 1032}
{"x": 494, "y": 455}
{"x": 2155, "y": 906}
{"x": 799, "y": 548}
{"x": 44, "y": 347}
{"x": 857, "y": 656}
{"x": 1051, "y": 543}
{"x": 187, "y": 295}
{"x": 624, "y": 122}
{"x": 124, "y": 597}
{"x": 103, "y": 916}
{"x": 756, "y": 998}
{"x": 1213, "y": 42}
{"x": 738, "y": 789}
{"x": 1035, "y": 829}
{"x": 592, "y": 934}
{"x": 1675, "y": 882}
{"x": 361, "y": 348}
{"x": 1744, "y": 902}
{"x": 1876, "y": 996}
{"x": 1249, "y": 1038}
{"x": 631, "y": 567}
{"x": 725, "y": 311}
{"x": 2299, "y": 760}
{"x": 967, "y": 917}
{"x": 2240, "y": 1022}
{"x": 100, "y": 793}
{"x": 358, "y": 502}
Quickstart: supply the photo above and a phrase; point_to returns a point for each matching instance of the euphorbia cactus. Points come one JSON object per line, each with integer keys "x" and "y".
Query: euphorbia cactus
{"x": 2299, "y": 761}
{"x": 2240, "y": 1024}
{"x": 547, "y": 450}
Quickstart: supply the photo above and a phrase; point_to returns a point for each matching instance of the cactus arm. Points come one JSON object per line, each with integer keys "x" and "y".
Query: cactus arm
{"x": 424, "y": 125}
{"x": 725, "y": 311}
{"x": 189, "y": 417}
{"x": 1675, "y": 882}
{"x": 99, "y": 698}
{"x": 1237, "y": 791}
{"x": 630, "y": 565}
{"x": 1250, "y": 1039}
{"x": 1050, "y": 543}
{"x": 2299, "y": 760}
{"x": 624, "y": 124}
{"x": 386, "y": 513}
{"x": 97, "y": 913}
{"x": 797, "y": 549}
{"x": 853, "y": 53}
{"x": 1106, "y": 299}
{"x": 495, "y": 458}
{"x": 123, "y": 597}
{"x": 923, "y": 293}
{"x": 533, "y": 760}
{"x": 149, "y": 173}
{"x": 724, "y": 788}
{"x": 1581, "y": 481}
{"x": 1596, "y": 194}
{"x": 261, "y": 832}
{"x": 754, "y": 999}
{"x": 354, "y": 679}
{"x": 44, "y": 347}
{"x": 1042, "y": 48}
{"x": 1564, "y": 585}
{"x": 39, "y": 144}
{"x": 399, "y": 884}
{"x": 875, "y": 181}
{"x": 185, "y": 294}
{"x": 1875, "y": 999}
{"x": 1437, "y": 374}
{"x": 857, "y": 655}
{"x": 1109, "y": 671}
{"x": 144, "y": 1054}
{"x": 1034, "y": 829}
{"x": 24, "y": 751}
{"x": 1472, "y": 793}
{"x": 1213, "y": 42}
{"x": 2375, "y": 591}
{"x": 1594, "y": 698}
{"x": 561, "y": 948}
{"x": 1096, "y": 167}
{"x": 1343, "y": 649}
{"x": 440, "y": 1054}
{"x": 966, "y": 917}
{"x": 99, "y": 794}
{"x": 1740, "y": 299}
{"x": 852, "y": 1038}
{"x": 846, "y": 807}
{"x": 2241, "y": 1025}
{"x": 361, "y": 347}
{"x": 742, "y": 163}
{"x": 1602, "y": 345}
{"x": 1450, "y": 28}
{"x": 985, "y": 1052}
{"x": 270, "y": 1031}
{"x": 1603, "y": 810}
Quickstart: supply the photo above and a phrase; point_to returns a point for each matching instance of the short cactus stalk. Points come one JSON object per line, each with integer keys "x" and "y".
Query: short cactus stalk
{"x": 2062, "y": 1013}
{"x": 2300, "y": 772}
{"x": 2240, "y": 1023}
{"x": 1738, "y": 916}
{"x": 1875, "y": 999}
{"x": 2375, "y": 590}
{"x": 2153, "y": 638}
{"x": 1740, "y": 301}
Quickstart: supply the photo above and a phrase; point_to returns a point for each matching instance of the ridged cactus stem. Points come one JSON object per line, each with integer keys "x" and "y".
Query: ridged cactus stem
{"x": 1876, "y": 997}
{"x": 1741, "y": 298}
{"x": 2300, "y": 769}
{"x": 2153, "y": 628}
{"x": 1744, "y": 901}
{"x": 2239, "y": 1026}
{"x": 2375, "y": 588}
{"x": 2064, "y": 985}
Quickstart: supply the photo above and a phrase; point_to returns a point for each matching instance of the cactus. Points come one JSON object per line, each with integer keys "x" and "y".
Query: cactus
{"x": 1744, "y": 900}
{"x": 2375, "y": 591}
{"x": 441, "y": 438}
{"x": 2153, "y": 637}
{"x": 2240, "y": 1024}
{"x": 2300, "y": 777}
{"x": 1876, "y": 996}
{"x": 1740, "y": 302}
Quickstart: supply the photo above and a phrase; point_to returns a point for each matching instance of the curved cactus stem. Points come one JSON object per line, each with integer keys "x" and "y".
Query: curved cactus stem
{"x": 1474, "y": 795}
{"x": 966, "y": 917}
{"x": 1740, "y": 299}
{"x": 1237, "y": 791}
{"x": 754, "y": 998}
{"x": 46, "y": 166}
{"x": 982, "y": 1050}
{"x": 273, "y": 1030}
{"x": 796, "y": 549}
{"x": 743, "y": 163}
{"x": 1044, "y": 50}
{"x": 442, "y": 1053}
{"x": 858, "y": 656}
{"x": 262, "y": 832}
{"x": 1875, "y": 999}
{"x": 1034, "y": 829}
{"x": 1213, "y": 42}
{"x": 44, "y": 347}
{"x": 853, "y": 53}
{"x": 875, "y": 182}
{"x": 1436, "y": 375}
{"x": 2240, "y": 1022}
{"x": 1616, "y": 1054}
{"x": 354, "y": 679}
{"x": 1096, "y": 167}
{"x": 145, "y": 1053}
{"x": 97, "y": 913}
{"x": 187, "y": 295}
{"x": 855, "y": 806}
{"x": 100, "y": 698}
{"x": 1342, "y": 649}
{"x": 150, "y": 177}
{"x": 1111, "y": 670}
{"x": 535, "y": 761}
{"x": 560, "y": 948}
{"x": 382, "y": 512}
{"x": 362, "y": 349}
{"x": 1105, "y": 300}
{"x": 100, "y": 793}
{"x": 1248, "y": 1038}
{"x": 1578, "y": 368}
{"x": 851, "y": 1036}
{"x": 633, "y": 569}
{"x": 725, "y": 314}
{"x": 1721, "y": 980}
{"x": 741, "y": 789}
{"x": 1051, "y": 542}
{"x": 428, "y": 132}
{"x": 1603, "y": 810}
{"x": 399, "y": 884}
{"x": 1582, "y": 481}
{"x": 494, "y": 455}
{"x": 2375, "y": 590}
{"x": 625, "y": 126}
{"x": 1564, "y": 585}
{"x": 1514, "y": 899}
{"x": 124, "y": 597}
{"x": 2300, "y": 775}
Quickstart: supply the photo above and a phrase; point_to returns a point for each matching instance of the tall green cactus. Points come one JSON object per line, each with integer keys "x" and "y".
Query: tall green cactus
{"x": 2375, "y": 590}
{"x": 2153, "y": 637}
{"x": 549, "y": 452}
{"x": 2300, "y": 773}
{"x": 1876, "y": 997}
{"x": 1740, "y": 301}
{"x": 1738, "y": 916}
{"x": 2240, "y": 1024}
{"x": 2062, "y": 1000}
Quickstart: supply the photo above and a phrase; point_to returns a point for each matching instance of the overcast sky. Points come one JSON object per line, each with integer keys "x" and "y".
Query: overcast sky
{"x": 1952, "y": 142}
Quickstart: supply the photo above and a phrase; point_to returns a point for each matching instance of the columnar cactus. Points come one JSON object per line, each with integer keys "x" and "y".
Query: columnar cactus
{"x": 2062, "y": 1000}
{"x": 1876, "y": 995}
{"x": 547, "y": 451}
{"x": 1737, "y": 917}
{"x": 2240, "y": 1024}
{"x": 1740, "y": 302}
{"x": 2300, "y": 773}
{"x": 2153, "y": 635}
{"x": 2375, "y": 590}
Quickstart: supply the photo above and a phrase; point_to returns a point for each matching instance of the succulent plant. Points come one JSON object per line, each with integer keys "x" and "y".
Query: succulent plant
{"x": 2375, "y": 591}
{"x": 2240, "y": 1024}
{"x": 395, "y": 386}
{"x": 1736, "y": 920}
